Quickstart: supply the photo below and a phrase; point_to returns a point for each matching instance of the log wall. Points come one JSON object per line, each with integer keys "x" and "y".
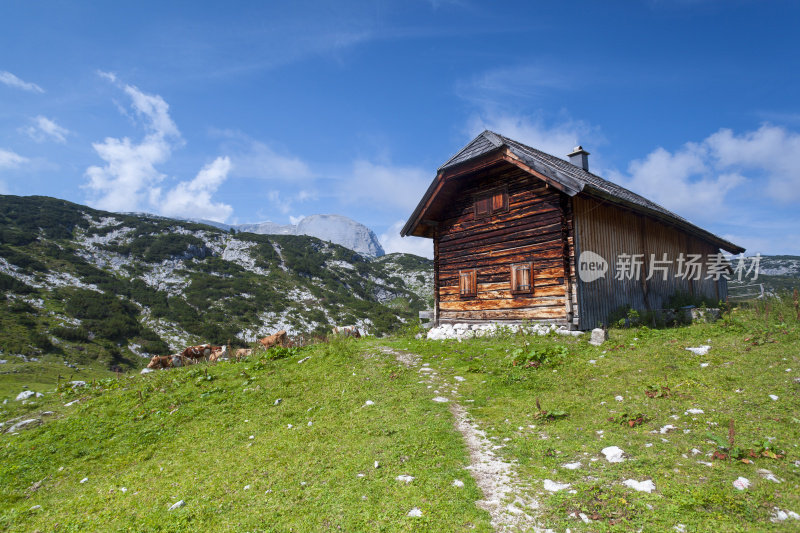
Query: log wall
{"x": 609, "y": 231}
{"x": 534, "y": 228}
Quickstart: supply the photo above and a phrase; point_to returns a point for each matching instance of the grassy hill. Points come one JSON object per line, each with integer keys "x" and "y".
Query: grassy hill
{"x": 127, "y": 448}
{"x": 103, "y": 290}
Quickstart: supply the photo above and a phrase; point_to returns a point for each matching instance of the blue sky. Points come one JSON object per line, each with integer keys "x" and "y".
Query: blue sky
{"x": 244, "y": 112}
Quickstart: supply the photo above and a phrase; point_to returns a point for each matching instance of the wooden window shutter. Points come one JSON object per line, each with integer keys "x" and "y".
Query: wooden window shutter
{"x": 483, "y": 206}
{"x": 467, "y": 283}
{"x": 499, "y": 201}
{"x": 522, "y": 278}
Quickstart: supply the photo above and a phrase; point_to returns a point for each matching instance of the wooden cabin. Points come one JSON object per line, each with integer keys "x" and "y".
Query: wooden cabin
{"x": 520, "y": 235}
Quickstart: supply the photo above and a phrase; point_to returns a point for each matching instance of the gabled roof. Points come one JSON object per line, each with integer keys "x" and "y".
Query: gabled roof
{"x": 569, "y": 178}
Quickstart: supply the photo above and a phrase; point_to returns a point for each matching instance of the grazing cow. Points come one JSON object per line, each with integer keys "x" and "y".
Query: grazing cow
{"x": 277, "y": 339}
{"x": 243, "y": 352}
{"x": 217, "y": 355}
{"x": 347, "y": 331}
{"x": 160, "y": 361}
{"x": 200, "y": 351}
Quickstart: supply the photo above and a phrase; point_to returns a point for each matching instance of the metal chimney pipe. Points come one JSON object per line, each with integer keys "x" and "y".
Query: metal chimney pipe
{"x": 580, "y": 158}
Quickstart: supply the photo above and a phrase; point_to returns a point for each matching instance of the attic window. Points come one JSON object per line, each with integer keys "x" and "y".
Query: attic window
{"x": 495, "y": 201}
{"x": 467, "y": 283}
{"x": 522, "y": 278}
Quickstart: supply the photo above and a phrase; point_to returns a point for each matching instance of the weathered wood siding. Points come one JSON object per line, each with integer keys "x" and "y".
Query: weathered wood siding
{"x": 532, "y": 229}
{"x": 609, "y": 231}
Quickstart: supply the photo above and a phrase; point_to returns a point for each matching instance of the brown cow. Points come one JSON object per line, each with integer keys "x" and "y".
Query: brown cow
{"x": 347, "y": 331}
{"x": 200, "y": 351}
{"x": 243, "y": 352}
{"x": 276, "y": 339}
{"x": 160, "y": 361}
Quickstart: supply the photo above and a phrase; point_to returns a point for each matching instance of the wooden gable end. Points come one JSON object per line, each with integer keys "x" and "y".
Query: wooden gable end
{"x": 508, "y": 229}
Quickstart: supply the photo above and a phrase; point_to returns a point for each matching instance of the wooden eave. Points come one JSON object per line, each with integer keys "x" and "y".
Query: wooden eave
{"x": 424, "y": 218}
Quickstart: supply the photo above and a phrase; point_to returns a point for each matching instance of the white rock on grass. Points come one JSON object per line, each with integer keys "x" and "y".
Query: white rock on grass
{"x": 667, "y": 429}
{"x": 25, "y": 424}
{"x": 642, "y": 486}
{"x": 368, "y": 402}
{"x": 440, "y": 399}
{"x": 84, "y": 480}
{"x": 694, "y": 412}
{"x": 146, "y": 371}
{"x": 572, "y": 466}
{"x": 26, "y": 394}
{"x": 700, "y": 350}
{"x": 779, "y": 515}
{"x": 177, "y": 505}
{"x": 415, "y": 512}
{"x": 613, "y": 454}
{"x": 773, "y": 397}
{"x": 458, "y": 378}
{"x": 553, "y": 486}
{"x": 405, "y": 478}
{"x": 619, "y": 398}
{"x": 768, "y": 475}
{"x": 458, "y": 483}
{"x": 741, "y": 483}
{"x": 37, "y": 507}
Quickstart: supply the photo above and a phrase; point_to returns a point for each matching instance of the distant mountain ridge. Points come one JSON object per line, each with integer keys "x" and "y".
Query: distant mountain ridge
{"x": 337, "y": 229}
{"x": 83, "y": 284}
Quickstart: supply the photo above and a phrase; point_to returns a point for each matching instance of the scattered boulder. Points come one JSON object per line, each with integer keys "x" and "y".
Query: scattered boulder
{"x": 741, "y": 483}
{"x": 25, "y": 395}
{"x": 177, "y": 505}
{"x": 599, "y": 336}
{"x": 700, "y": 350}
{"x": 642, "y": 486}
{"x": 457, "y": 483}
{"x": 146, "y": 371}
{"x": 405, "y": 478}
{"x": 613, "y": 454}
{"x": 553, "y": 486}
{"x": 779, "y": 515}
{"x": 25, "y": 424}
{"x": 415, "y": 512}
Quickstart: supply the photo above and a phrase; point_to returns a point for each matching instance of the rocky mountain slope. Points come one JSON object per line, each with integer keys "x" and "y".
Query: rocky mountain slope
{"x": 113, "y": 286}
{"x": 337, "y": 229}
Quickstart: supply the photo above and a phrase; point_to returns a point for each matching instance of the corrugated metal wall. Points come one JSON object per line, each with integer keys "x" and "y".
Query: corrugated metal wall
{"x": 610, "y": 231}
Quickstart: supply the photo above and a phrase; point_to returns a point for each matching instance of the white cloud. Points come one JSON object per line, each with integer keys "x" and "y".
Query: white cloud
{"x": 558, "y": 139}
{"x": 695, "y": 179}
{"x": 194, "y": 198}
{"x": 392, "y": 242}
{"x": 384, "y": 185}
{"x": 255, "y": 159}
{"x": 44, "y": 128}
{"x": 770, "y": 149}
{"x": 129, "y": 180}
{"x": 683, "y": 181}
{"x": 9, "y": 159}
{"x": 12, "y": 81}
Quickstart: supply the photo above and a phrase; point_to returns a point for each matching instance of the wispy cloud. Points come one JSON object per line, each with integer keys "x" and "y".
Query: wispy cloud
{"x": 44, "y": 129}
{"x": 9, "y": 159}
{"x": 392, "y": 242}
{"x": 257, "y": 159}
{"x": 195, "y": 198}
{"x": 386, "y": 186}
{"x": 696, "y": 179}
{"x": 558, "y": 138}
{"x": 130, "y": 179}
{"x": 11, "y": 80}
{"x": 494, "y": 87}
